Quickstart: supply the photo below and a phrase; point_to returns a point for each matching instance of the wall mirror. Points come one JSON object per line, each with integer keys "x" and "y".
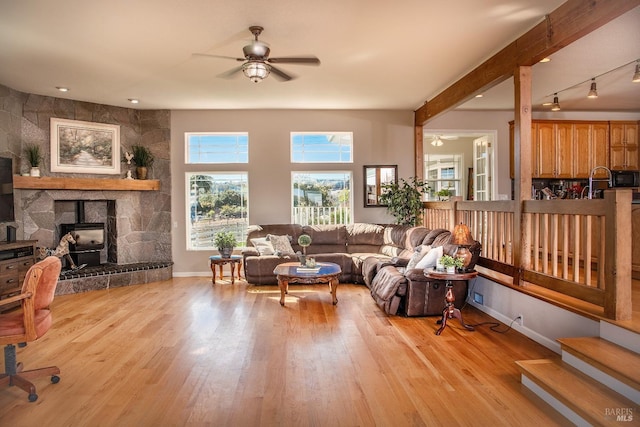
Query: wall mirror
{"x": 375, "y": 176}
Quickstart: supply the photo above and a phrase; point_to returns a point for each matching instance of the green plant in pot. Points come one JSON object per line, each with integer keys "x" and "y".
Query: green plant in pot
{"x": 451, "y": 263}
{"x": 304, "y": 240}
{"x": 34, "y": 157}
{"x": 444, "y": 194}
{"x": 404, "y": 200}
{"x": 143, "y": 159}
{"x": 225, "y": 241}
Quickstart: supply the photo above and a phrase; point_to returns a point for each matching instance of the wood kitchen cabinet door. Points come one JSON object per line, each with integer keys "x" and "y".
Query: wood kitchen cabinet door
{"x": 624, "y": 145}
{"x": 590, "y": 148}
{"x": 564, "y": 150}
{"x": 545, "y": 143}
{"x": 600, "y": 148}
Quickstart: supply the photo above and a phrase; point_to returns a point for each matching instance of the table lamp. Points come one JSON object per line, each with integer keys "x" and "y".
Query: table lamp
{"x": 461, "y": 237}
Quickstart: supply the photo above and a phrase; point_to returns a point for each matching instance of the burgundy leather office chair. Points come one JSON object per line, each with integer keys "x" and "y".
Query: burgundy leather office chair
{"x": 29, "y": 323}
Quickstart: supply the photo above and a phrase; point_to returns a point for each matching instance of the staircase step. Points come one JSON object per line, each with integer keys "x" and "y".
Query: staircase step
{"x": 584, "y": 396}
{"x": 610, "y": 358}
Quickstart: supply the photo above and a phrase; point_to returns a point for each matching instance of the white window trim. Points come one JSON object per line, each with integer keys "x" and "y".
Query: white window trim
{"x": 186, "y": 147}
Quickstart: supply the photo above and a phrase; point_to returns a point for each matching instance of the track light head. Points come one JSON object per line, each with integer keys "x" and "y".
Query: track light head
{"x": 556, "y": 104}
{"x": 636, "y": 75}
{"x": 593, "y": 92}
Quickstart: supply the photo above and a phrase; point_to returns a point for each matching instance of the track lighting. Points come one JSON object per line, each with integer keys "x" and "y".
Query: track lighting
{"x": 556, "y": 104}
{"x": 593, "y": 93}
{"x": 636, "y": 75}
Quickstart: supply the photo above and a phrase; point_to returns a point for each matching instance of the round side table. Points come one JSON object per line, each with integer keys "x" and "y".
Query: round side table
{"x": 450, "y": 311}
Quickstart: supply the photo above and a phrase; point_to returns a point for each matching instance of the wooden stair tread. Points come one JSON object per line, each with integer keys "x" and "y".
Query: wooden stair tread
{"x": 617, "y": 361}
{"x": 582, "y": 394}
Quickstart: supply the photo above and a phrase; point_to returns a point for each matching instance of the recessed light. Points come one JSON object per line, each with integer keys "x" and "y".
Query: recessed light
{"x": 62, "y": 89}
{"x": 546, "y": 104}
{"x": 134, "y": 101}
{"x": 543, "y": 60}
{"x": 479, "y": 95}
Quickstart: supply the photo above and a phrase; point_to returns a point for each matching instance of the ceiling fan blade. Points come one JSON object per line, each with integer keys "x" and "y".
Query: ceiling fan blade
{"x": 302, "y": 60}
{"x": 231, "y": 73}
{"x": 206, "y": 55}
{"x": 281, "y": 75}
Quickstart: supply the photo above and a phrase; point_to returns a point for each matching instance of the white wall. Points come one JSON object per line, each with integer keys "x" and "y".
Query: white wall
{"x": 380, "y": 137}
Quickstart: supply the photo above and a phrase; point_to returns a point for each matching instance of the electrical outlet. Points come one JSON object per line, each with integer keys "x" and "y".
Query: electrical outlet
{"x": 520, "y": 320}
{"x": 478, "y": 298}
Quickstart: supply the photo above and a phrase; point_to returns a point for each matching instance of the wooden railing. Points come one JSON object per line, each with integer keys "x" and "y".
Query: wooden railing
{"x": 321, "y": 215}
{"x": 580, "y": 248}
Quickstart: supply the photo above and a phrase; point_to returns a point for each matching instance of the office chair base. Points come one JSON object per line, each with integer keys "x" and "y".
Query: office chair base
{"x": 15, "y": 376}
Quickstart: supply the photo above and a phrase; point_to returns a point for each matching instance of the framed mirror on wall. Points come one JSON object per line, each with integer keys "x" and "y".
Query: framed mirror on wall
{"x": 375, "y": 176}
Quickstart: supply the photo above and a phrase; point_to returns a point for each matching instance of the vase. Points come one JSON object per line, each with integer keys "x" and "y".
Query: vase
{"x": 35, "y": 171}
{"x": 225, "y": 252}
{"x": 451, "y": 270}
{"x": 141, "y": 172}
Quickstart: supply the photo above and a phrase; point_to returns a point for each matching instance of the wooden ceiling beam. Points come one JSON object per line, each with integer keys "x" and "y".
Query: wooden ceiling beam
{"x": 569, "y": 22}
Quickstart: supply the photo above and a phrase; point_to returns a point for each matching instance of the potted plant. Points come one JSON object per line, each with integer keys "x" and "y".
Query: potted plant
{"x": 225, "y": 242}
{"x": 34, "y": 157}
{"x": 404, "y": 200}
{"x": 143, "y": 159}
{"x": 304, "y": 240}
{"x": 444, "y": 194}
{"x": 451, "y": 263}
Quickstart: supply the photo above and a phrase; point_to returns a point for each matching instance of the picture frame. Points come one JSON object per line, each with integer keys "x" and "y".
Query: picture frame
{"x": 375, "y": 176}
{"x": 84, "y": 147}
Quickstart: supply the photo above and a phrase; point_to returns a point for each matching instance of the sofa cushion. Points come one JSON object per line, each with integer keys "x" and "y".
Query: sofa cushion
{"x": 326, "y": 238}
{"x": 431, "y": 258}
{"x": 262, "y": 245}
{"x": 364, "y": 238}
{"x": 281, "y": 244}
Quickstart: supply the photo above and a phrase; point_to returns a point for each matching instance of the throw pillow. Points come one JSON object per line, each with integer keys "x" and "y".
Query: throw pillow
{"x": 431, "y": 258}
{"x": 263, "y": 246}
{"x": 419, "y": 253}
{"x": 281, "y": 244}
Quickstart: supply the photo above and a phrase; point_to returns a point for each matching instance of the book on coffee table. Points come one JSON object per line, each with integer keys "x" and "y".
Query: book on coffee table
{"x": 308, "y": 269}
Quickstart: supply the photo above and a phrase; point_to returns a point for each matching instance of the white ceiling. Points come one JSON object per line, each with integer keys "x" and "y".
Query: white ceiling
{"x": 375, "y": 54}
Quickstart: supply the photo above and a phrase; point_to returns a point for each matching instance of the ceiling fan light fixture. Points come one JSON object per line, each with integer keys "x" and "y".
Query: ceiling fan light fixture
{"x": 556, "y": 105}
{"x": 636, "y": 75}
{"x": 436, "y": 142}
{"x": 593, "y": 92}
{"x": 256, "y": 71}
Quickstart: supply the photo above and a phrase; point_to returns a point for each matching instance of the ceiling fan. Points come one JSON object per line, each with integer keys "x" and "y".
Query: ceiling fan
{"x": 436, "y": 140}
{"x": 257, "y": 64}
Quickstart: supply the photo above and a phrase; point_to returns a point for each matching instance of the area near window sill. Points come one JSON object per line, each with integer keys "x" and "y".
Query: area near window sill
{"x": 58, "y": 183}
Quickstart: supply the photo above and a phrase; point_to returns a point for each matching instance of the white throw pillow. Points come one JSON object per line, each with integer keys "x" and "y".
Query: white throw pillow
{"x": 419, "y": 253}
{"x": 281, "y": 244}
{"x": 431, "y": 258}
{"x": 262, "y": 245}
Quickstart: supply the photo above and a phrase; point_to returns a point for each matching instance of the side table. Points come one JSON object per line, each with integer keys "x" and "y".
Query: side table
{"x": 220, "y": 262}
{"x": 450, "y": 311}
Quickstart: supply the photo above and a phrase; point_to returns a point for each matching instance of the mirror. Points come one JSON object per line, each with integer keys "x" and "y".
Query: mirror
{"x": 374, "y": 177}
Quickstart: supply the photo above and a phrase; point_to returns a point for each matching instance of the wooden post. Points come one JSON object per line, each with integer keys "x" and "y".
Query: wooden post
{"x": 522, "y": 170}
{"x": 617, "y": 296}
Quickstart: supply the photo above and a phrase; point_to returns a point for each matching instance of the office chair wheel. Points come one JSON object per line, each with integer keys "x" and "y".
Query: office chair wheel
{"x": 33, "y": 397}
{"x": 55, "y": 379}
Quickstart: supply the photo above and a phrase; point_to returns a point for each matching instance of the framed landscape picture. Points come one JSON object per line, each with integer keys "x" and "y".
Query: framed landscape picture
{"x": 84, "y": 147}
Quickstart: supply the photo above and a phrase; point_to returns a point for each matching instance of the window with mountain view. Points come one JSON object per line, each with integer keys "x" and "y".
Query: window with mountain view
{"x": 217, "y": 201}
{"x": 321, "y": 198}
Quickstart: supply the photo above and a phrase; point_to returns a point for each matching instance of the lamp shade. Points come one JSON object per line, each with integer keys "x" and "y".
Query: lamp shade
{"x": 461, "y": 236}
{"x": 256, "y": 71}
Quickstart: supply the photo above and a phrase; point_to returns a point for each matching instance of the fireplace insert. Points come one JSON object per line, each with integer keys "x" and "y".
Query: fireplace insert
{"x": 89, "y": 237}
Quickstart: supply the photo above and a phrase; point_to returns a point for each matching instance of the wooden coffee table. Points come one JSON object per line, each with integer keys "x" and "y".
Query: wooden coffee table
{"x": 293, "y": 272}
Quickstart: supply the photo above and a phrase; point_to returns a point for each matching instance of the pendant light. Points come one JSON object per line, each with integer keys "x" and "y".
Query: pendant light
{"x": 636, "y": 75}
{"x": 556, "y": 104}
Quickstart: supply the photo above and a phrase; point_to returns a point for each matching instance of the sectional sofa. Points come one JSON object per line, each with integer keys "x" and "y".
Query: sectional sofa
{"x": 378, "y": 256}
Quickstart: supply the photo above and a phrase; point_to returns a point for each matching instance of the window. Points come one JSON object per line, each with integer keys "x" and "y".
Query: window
{"x": 443, "y": 173}
{"x": 317, "y": 147}
{"x": 217, "y": 147}
{"x": 321, "y": 198}
{"x": 216, "y": 201}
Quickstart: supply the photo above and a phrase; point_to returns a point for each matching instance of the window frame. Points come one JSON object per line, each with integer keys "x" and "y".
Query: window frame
{"x": 189, "y": 161}
{"x": 350, "y": 206}
{"x": 292, "y": 135}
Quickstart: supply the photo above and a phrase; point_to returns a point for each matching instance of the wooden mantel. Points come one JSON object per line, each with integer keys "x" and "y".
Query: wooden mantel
{"x": 109, "y": 184}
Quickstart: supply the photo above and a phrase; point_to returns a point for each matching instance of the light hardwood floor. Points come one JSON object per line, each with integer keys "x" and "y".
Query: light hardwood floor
{"x": 186, "y": 352}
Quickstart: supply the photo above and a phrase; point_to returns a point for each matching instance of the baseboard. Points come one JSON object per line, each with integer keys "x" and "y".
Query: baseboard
{"x": 540, "y": 339}
{"x": 192, "y": 274}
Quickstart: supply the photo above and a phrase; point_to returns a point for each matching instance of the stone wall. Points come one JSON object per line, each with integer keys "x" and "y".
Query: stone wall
{"x": 143, "y": 218}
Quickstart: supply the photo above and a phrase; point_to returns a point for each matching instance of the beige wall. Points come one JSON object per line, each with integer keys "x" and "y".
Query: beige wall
{"x": 380, "y": 137}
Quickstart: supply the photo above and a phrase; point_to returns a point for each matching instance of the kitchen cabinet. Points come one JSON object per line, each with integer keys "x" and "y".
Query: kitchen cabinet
{"x": 553, "y": 144}
{"x": 591, "y": 148}
{"x": 624, "y": 146}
